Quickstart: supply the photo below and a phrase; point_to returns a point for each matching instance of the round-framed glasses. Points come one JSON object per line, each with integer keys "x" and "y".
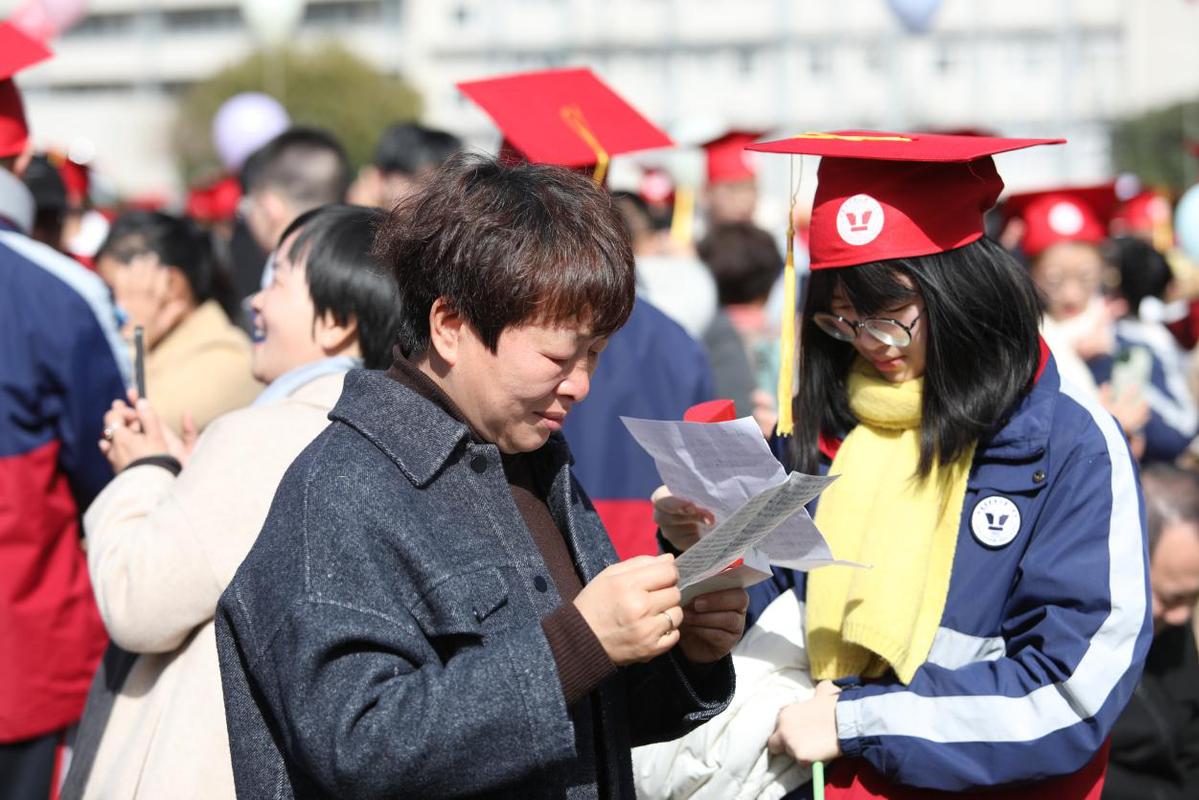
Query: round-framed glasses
{"x": 890, "y": 332}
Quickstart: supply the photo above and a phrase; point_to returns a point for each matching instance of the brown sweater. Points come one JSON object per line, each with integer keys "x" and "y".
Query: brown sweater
{"x": 582, "y": 662}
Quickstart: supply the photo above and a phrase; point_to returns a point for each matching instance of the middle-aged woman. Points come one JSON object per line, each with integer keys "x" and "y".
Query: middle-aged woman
{"x": 165, "y": 537}
{"x": 432, "y": 608}
{"x": 1004, "y": 620}
{"x": 164, "y": 275}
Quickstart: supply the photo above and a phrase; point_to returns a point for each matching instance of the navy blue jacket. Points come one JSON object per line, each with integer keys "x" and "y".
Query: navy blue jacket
{"x": 651, "y": 369}
{"x": 1047, "y": 622}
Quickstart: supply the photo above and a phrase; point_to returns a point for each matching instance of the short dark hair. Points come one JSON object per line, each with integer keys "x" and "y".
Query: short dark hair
{"x": 744, "y": 260}
{"x": 177, "y": 241}
{"x": 410, "y": 148}
{"x": 1171, "y": 496}
{"x": 983, "y": 346}
{"x": 505, "y": 244}
{"x": 308, "y": 166}
{"x": 1144, "y": 272}
{"x": 334, "y": 244}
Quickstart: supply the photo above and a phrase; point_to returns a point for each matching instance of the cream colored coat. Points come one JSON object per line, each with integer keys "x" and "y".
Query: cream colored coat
{"x": 202, "y": 366}
{"x": 161, "y": 550}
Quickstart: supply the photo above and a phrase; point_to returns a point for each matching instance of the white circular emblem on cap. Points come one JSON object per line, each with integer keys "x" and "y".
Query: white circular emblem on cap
{"x": 1065, "y": 219}
{"x": 860, "y": 220}
{"x": 995, "y": 521}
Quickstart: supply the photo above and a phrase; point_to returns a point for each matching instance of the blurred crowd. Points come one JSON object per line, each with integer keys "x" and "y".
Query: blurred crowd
{"x": 258, "y": 292}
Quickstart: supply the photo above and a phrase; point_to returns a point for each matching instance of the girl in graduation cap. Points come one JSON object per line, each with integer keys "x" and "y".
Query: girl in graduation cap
{"x": 1004, "y": 619}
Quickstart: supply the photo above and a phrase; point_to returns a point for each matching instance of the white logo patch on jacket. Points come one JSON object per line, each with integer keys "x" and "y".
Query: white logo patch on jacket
{"x": 995, "y": 521}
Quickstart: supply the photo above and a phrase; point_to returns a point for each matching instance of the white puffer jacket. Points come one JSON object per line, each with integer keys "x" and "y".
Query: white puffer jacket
{"x": 726, "y": 758}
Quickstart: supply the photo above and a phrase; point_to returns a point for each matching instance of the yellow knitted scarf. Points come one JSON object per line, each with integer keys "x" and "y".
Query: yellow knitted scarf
{"x": 879, "y": 512}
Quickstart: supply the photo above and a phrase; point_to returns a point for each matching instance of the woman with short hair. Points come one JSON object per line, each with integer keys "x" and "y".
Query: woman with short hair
{"x": 165, "y": 537}
{"x": 433, "y": 607}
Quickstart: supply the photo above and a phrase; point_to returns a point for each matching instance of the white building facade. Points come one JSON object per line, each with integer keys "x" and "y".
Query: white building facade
{"x": 1017, "y": 67}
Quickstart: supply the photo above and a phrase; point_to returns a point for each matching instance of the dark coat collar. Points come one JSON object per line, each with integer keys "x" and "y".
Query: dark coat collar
{"x": 416, "y": 433}
{"x": 411, "y": 430}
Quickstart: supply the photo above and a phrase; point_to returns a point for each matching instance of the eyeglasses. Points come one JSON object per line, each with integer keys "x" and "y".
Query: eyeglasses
{"x": 890, "y": 332}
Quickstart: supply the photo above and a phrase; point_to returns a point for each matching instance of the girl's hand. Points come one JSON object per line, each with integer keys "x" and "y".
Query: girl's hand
{"x": 807, "y": 730}
{"x": 681, "y": 521}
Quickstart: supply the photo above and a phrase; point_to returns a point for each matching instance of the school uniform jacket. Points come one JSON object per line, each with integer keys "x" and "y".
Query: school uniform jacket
{"x": 1047, "y": 621}
{"x": 61, "y": 366}
{"x": 1173, "y": 417}
{"x": 651, "y": 369}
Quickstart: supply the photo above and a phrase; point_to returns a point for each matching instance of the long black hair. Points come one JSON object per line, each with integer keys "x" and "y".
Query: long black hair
{"x": 982, "y": 346}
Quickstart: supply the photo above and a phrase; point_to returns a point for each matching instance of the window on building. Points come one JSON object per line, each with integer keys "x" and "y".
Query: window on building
{"x": 102, "y": 25}
{"x": 191, "y": 20}
{"x": 328, "y": 14}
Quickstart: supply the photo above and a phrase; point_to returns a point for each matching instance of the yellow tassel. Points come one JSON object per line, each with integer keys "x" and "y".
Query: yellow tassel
{"x": 573, "y": 117}
{"x": 684, "y": 212}
{"x": 786, "y": 425}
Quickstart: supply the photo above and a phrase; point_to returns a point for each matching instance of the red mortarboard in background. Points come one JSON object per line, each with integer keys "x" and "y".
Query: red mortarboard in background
{"x": 17, "y": 51}
{"x": 214, "y": 202}
{"x": 567, "y": 117}
{"x": 76, "y": 178}
{"x": 1078, "y": 214}
{"x": 894, "y": 195}
{"x": 656, "y": 186}
{"x": 1142, "y": 213}
{"x": 1148, "y": 213}
{"x": 728, "y": 159}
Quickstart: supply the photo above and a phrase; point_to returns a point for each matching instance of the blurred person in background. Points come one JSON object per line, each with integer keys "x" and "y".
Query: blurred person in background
{"x": 166, "y": 536}
{"x": 1155, "y": 742}
{"x": 1146, "y": 350}
{"x": 406, "y": 155}
{"x": 62, "y": 363}
{"x": 165, "y": 277}
{"x": 746, "y": 263}
{"x": 1062, "y": 231}
{"x": 50, "y": 200}
{"x": 731, "y": 191}
{"x": 299, "y": 170}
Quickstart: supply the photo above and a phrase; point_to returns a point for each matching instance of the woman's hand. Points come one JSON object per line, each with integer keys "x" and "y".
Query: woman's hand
{"x": 681, "y": 521}
{"x": 807, "y": 730}
{"x": 712, "y": 625}
{"x": 133, "y": 430}
{"x": 143, "y": 290}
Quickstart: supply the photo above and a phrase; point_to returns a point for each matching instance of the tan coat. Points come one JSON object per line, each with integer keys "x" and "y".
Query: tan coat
{"x": 202, "y": 366}
{"x": 161, "y": 550}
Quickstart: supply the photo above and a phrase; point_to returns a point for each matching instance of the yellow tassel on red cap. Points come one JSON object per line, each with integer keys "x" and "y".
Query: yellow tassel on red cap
{"x": 786, "y": 424}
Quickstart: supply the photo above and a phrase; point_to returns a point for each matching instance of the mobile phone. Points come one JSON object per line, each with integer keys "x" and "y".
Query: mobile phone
{"x": 139, "y": 359}
{"x": 1131, "y": 372}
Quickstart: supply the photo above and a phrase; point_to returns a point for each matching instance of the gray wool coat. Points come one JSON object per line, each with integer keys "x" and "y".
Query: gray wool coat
{"x": 383, "y": 637}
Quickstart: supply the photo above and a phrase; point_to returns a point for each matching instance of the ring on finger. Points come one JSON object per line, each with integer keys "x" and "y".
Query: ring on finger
{"x": 669, "y": 622}
{"x": 108, "y": 433}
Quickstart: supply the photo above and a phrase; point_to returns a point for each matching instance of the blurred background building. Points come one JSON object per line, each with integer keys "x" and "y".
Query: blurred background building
{"x": 1018, "y": 67}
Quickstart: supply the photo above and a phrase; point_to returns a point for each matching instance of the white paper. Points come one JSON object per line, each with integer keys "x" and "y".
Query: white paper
{"x": 727, "y": 468}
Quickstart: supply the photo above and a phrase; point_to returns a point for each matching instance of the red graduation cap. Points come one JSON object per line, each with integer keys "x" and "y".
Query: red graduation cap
{"x": 215, "y": 201}
{"x": 1077, "y": 214}
{"x": 567, "y": 117}
{"x": 888, "y": 195}
{"x": 728, "y": 160}
{"x": 17, "y": 51}
{"x": 1148, "y": 212}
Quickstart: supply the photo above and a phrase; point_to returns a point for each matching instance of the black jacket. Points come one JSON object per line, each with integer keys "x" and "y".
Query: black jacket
{"x": 383, "y": 637}
{"x": 1155, "y": 743}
